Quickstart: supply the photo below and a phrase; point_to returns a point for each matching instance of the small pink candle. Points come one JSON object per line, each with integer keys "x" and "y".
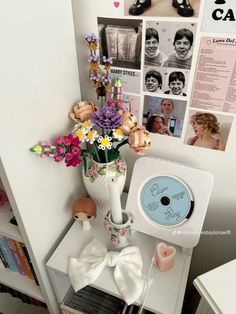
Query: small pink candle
{"x": 165, "y": 256}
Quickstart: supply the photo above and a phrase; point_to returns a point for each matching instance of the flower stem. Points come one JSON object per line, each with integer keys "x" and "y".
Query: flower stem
{"x": 102, "y": 101}
{"x": 121, "y": 144}
{"x": 106, "y": 157}
{"x": 96, "y": 151}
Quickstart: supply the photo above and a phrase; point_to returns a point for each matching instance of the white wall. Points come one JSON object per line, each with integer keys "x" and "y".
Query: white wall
{"x": 221, "y": 215}
{"x": 39, "y": 84}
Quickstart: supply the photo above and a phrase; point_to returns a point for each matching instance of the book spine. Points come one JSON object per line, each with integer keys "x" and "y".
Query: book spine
{"x": 14, "y": 252}
{"x": 24, "y": 260}
{"x": 30, "y": 264}
{"x": 7, "y": 254}
{"x": 5, "y": 264}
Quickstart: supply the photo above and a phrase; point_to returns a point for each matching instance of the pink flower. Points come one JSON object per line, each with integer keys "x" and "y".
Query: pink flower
{"x": 43, "y": 143}
{"x": 114, "y": 240}
{"x": 121, "y": 165}
{"x": 59, "y": 140}
{"x": 93, "y": 171}
{"x": 111, "y": 103}
{"x": 75, "y": 150}
{"x": 75, "y": 161}
{"x": 58, "y": 158}
{"x": 68, "y": 157}
{"x": 119, "y": 104}
{"x": 60, "y": 150}
{"x": 123, "y": 231}
{"x": 106, "y": 226}
{"x": 75, "y": 141}
{"x": 67, "y": 141}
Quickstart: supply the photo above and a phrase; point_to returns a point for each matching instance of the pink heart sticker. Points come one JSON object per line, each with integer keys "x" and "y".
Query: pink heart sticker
{"x": 116, "y": 4}
{"x": 163, "y": 30}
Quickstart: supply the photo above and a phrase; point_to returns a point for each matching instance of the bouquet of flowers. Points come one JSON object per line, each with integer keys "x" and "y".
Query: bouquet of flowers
{"x": 104, "y": 129}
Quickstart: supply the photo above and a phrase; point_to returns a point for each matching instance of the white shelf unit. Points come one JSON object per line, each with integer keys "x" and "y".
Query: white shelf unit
{"x": 167, "y": 290}
{"x": 11, "y": 305}
{"x": 41, "y": 85}
{"x": 7, "y": 229}
{"x": 21, "y": 283}
{"x": 13, "y": 279}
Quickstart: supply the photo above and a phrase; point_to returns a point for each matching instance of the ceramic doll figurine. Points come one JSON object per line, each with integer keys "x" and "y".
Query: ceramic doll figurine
{"x": 84, "y": 209}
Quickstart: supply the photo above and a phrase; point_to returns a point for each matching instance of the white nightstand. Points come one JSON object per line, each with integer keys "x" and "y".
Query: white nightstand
{"x": 167, "y": 290}
{"x": 217, "y": 288}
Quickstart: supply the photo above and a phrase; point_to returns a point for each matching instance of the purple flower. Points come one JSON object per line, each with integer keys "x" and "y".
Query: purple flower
{"x": 107, "y": 118}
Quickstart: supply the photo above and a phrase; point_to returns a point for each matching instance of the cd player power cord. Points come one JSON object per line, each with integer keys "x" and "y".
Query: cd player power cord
{"x": 148, "y": 279}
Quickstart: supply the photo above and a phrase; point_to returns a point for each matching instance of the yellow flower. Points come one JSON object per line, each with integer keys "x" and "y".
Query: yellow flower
{"x": 91, "y": 136}
{"x": 118, "y": 134}
{"x": 105, "y": 142}
{"x": 81, "y": 134}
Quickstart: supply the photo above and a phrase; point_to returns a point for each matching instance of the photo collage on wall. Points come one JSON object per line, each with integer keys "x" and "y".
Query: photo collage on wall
{"x": 156, "y": 60}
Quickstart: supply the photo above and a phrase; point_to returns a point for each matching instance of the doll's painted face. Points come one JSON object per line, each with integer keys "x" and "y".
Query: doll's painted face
{"x": 176, "y": 87}
{"x": 182, "y": 47}
{"x": 151, "y": 46}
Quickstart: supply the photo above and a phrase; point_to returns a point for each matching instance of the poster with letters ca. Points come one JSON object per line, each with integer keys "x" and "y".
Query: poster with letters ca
{"x": 219, "y": 16}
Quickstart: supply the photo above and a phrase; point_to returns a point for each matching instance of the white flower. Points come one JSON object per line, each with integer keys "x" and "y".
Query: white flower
{"x": 91, "y": 136}
{"x": 86, "y": 126}
{"x": 118, "y": 134}
{"x": 105, "y": 142}
{"x": 81, "y": 134}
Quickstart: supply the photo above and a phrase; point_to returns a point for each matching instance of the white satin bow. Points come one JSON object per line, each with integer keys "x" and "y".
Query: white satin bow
{"x": 95, "y": 257}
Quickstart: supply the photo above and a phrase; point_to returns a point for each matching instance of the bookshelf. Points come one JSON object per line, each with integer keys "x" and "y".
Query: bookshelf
{"x": 9, "y": 278}
{"x": 21, "y": 283}
{"x": 7, "y": 229}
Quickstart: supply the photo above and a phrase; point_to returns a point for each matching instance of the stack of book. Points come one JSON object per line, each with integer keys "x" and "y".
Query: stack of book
{"x": 15, "y": 257}
{"x": 25, "y": 298}
{"x": 90, "y": 300}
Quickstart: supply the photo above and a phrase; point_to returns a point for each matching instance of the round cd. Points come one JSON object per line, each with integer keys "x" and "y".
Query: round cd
{"x": 166, "y": 200}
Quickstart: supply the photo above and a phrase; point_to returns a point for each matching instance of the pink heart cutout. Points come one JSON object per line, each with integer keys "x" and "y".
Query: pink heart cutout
{"x": 116, "y": 4}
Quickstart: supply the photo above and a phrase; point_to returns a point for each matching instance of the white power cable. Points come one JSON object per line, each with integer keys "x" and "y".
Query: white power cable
{"x": 148, "y": 279}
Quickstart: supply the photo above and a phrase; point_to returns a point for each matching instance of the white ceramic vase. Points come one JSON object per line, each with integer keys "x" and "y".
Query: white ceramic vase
{"x": 96, "y": 178}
